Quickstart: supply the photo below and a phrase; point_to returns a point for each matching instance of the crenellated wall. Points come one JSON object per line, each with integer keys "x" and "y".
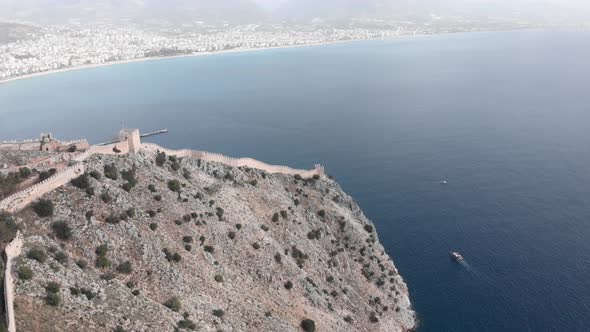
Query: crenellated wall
{"x": 22, "y": 198}
{"x": 11, "y": 251}
{"x": 35, "y": 145}
{"x": 235, "y": 162}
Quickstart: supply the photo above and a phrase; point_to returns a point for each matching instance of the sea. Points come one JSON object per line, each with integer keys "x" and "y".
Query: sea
{"x": 502, "y": 117}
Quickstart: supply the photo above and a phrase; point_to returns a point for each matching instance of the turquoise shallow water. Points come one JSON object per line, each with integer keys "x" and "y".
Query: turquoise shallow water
{"x": 504, "y": 117}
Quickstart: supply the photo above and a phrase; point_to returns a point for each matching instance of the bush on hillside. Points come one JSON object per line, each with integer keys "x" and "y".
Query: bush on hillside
{"x": 43, "y": 208}
{"x": 173, "y": 304}
{"x": 308, "y": 325}
{"x": 37, "y": 254}
{"x": 160, "y": 158}
{"x": 62, "y": 230}
{"x": 8, "y": 227}
{"x": 174, "y": 185}
{"x": 25, "y": 273}
{"x": 81, "y": 182}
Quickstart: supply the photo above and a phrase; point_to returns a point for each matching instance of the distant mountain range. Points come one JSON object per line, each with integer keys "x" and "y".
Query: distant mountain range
{"x": 249, "y": 11}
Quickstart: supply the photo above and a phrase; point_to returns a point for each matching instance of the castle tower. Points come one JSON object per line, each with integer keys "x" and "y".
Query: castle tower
{"x": 133, "y": 139}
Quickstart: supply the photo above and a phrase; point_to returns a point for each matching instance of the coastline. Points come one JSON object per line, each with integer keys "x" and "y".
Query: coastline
{"x": 235, "y": 50}
{"x": 196, "y": 54}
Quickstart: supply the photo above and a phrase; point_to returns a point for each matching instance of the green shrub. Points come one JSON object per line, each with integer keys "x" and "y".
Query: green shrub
{"x": 186, "y": 324}
{"x": 188, "y": 247}
{"x": 264, "y": 228}
{"x": 288, "y": 285}
{"x": 174, "y": 185}
{"x": 89, "y": 215}
{"x": 368, "y": 228}
{"x": 52, "y": 299}
{"x": 81, "y": 182}
{"x": 209, "y": 249}
{"x": 135, "y": 292}
{"x": 25, "y": 273}
{"x": 102, "y": 250}
{"x": 322, "y": 213}
{"x": 111, "y": 172}
{"x": 107, "y": 276}
{"x": 278, "y": 258}
{"x": 316, "y": 177}
{"x": 284, "y": 214}
{"x": 158, "y": 198}
{"x": 231, "y": 235}
{"x": 53, "y": 287}
{"x": 74, "y": 291}
{"x": 62, "y": 230}
{"x": 348, "y": 319}
{"x": 37, "y": 254}
{"x": 88, "y": 293}
{"x": 130, "y": 212}
{"x": 113, "y": 219}
{"x": 298, "y": 177}
{"x": 61, "y": 257}
{"x": 218, "y": 278}
{"x": 255, "y": 245}
{"x": 152, "y": 213}
{"x": 47, "y": 174}
{"x": 95, "y": 174}
{"x": 275, "y": 217}
{"x": 103, "y": 262}
{"x": 82, "y": 264}
{"x": 105, "y": 197}
{"x": 152, "y": 188}
{"x": 218, "y": 313}
{"x": 173, "y": 304}
{"x": 125, "y": 267}
{"x": 8, "y": 227}
{"x": 43, "y": 208}
{"x": 24, "y": 172}
{"x": 314, "y": 234}
{"x": 187, "y": 239}
{"x": 238, "y": 226}
{"x": 153, "y": 226}
{"x": 130, "y": 284}
{"x": 160, "y": 158}
{"x": 308, "y": 325}
{"x": 254, "y": 182}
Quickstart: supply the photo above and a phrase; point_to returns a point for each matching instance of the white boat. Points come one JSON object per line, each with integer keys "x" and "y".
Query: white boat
{"x": 443, "y": 182}
{"x": 456, "y": 256}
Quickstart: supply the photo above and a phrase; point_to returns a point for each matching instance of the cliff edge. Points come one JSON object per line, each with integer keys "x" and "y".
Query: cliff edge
{"x": 150, "y": 242}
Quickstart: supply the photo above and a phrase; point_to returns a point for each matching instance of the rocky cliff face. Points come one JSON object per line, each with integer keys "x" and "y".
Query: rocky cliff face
{"x": 140, "y": 245}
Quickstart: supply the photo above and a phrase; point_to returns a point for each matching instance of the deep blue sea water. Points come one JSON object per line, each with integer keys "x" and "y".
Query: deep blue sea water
{"x": 504, "y": 117}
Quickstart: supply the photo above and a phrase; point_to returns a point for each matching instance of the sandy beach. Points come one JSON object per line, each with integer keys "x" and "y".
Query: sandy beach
{"x": 112, "y": 63}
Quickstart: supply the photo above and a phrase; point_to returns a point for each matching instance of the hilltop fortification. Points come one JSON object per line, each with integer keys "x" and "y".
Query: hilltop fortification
{"x": 158, "y": 240}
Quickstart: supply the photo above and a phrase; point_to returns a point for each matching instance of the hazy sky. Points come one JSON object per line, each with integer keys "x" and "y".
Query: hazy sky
{"x": 254, "y": 10}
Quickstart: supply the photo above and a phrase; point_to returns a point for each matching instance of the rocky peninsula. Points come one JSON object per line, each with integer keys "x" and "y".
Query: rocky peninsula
{"x": 150, "y": 241}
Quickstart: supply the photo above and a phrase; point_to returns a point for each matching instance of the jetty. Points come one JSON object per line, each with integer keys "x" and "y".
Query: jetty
{"x": 153, "y": 133}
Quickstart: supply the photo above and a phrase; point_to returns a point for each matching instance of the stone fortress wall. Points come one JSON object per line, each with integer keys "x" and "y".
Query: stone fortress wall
{"x": 235, "y": 162}
{"x": 48, "y": 144}
{"x": 131, "y": 143}
{"x": 11, "y": 251}
{"x": 22, "y": 198}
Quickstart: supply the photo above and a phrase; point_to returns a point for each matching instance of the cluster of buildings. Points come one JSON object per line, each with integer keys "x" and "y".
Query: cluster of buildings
{"x": 60, "y": 47}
